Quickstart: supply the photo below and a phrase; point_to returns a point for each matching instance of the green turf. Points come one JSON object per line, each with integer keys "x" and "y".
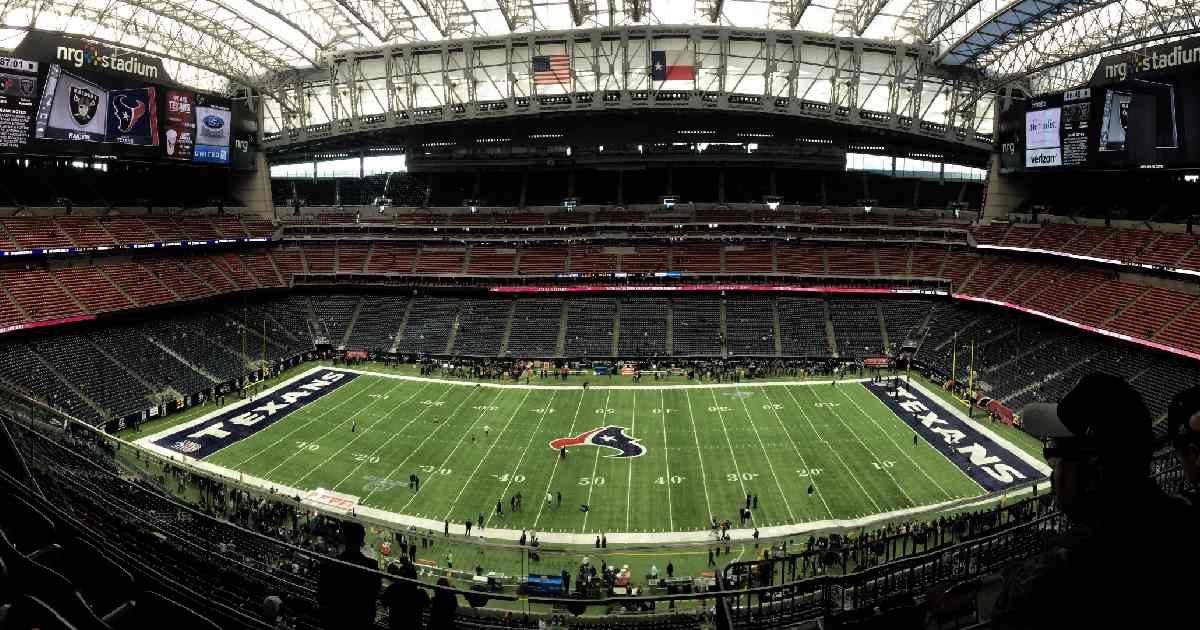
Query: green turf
{"x": 705, "y": 450}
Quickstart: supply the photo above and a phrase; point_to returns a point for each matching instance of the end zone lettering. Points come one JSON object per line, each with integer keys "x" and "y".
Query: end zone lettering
{"x": 991, "y": 466}
{"x": 252, "y": 416}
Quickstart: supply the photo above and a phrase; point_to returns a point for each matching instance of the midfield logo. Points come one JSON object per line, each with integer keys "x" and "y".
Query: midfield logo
{"x": 610, "y": 436}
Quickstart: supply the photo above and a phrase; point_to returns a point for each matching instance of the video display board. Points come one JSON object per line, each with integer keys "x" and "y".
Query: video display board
{"x": 66, "y": 96}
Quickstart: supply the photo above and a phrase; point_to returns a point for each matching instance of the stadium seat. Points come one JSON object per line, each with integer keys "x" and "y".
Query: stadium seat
{"x": 152, "y": 609}
{"x": 25, "y": 529}
{"x": 31, "y": 613}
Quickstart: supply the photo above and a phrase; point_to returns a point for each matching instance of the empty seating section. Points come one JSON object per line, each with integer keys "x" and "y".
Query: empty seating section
{"x": 352, "y": 257}
{"x": 1019, "y": 235}
{"x": 178, "y": 279}
{"x": 645, "y": 259}
{"x": 589, "y": 327}
{"x": 591, "y": 259}
{"x": 377, "y": 324}
{"x": 802, "y": 327}
{"x": 321, "y": 258}
{"x": 215, "y": 278}
{"x": 428, "y": 327}
{"x": 1104, "y": 303}
{"x": 139, "y": 284}
{"x": 258, "y": 228}
{"x": 535, "y": 328}
{"x": 38, "y": 295}
{"x": 128, "y": 230}
{"x": 440, "y": 260}
{"x": 696, "y": 259}
{"x": 290, "y": 261}
{"x": 990, "y": 234}
{"x": 695, "y": 327}
{"x": 1126, "y": 245}
{"x": 721, "y": 215}
{"x": 987, "y": 273}
{"x": 289, "y": 322}
{"x": 749, "y": 259}
{"x": 893, "y": 259}
{"x": 198, "y": 228}
{"x": 10, "y": 315}
{"x": 101, "y": 380}
{"x": 92, "y": 289}
{"x": 851, "y": 260}
{"x": 24, "y": 370}
{"x": 333, "y": 315}
{"x": 958, "y": 267}
{"x": 1087, "y": 240}
{"x": 391, "y": 258}
{"x": 165, "y": 228}
{"x": 1184, "y": 330}
{"x": 161, "y": 370}
{"x": 542, "y": 260}
{"x": 481, "y": 325}
{"x": 856, "y": 328}
{"x": 35, "y": 232}
{"x": 198, "y": 339}
{"x": 85, "y": 231}
{"x": 1032, "y": 284}
{"x": 492, "y": 261}
{"x": 1055, "y": 236}
{"x": 749, "y": 328}
{"x": 229, "y": 226}
{"x": 1169, "y": 251}
{"x": 927, "y": 261}
{"x": 1150, "y": 312}
{"x": 235, "y": 268}
{"x": 902, "y": 318}
{"x": 800, "y": 259}
{"x": 1009, "y": 277}
{"x": 1067, "y": 289}
{"x": 643, "y": 327}
{"x": 258, "y": 264}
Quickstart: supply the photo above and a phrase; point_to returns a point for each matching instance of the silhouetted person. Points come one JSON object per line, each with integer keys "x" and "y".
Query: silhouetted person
{"x": 405, "y": 601}
{"x": 345, "y": 593}
{"x": 444, "y": 604}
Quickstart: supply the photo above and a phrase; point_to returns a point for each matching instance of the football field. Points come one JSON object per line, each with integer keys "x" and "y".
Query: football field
{"x": 641, "y": 458}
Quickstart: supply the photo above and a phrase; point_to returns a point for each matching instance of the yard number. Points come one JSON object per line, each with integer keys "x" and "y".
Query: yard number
{"x": 363, "y": 457}
{"x": 664, "y": 412}
{"x": 884, "y": 464}
{"x": 674, "y": 479}
{"x": 544, "y": 410}
{"x": 591, "y": 481}
{"x": 485, "y": 407}
{"x": 435, "y": 403}
{"x": 719, "y": 408}
{"x": 829, "y": 405}
{"x": 307, "y": 446}
{"x": 773, "y": 406}
{"x": 743, "y": 477}
{"x": 505, "y": 477}
{"x": 809, "y": 472}
{"x": 378, "y": 396}
{"x": 429, "y": 470}
{"x": 605, "y": 411}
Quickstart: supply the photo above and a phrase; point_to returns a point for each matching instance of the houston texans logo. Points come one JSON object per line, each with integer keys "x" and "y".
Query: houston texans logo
{"x": 128, "y": 115}
{"x": 609, "y": 437}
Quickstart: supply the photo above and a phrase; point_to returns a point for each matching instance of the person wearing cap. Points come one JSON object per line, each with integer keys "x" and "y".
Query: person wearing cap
{"x": 1098, "y": 442}
{"x": 1183, "y": 429}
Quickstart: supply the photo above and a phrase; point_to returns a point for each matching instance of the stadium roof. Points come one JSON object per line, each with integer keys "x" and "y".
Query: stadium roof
{"x": 210, "y": 42}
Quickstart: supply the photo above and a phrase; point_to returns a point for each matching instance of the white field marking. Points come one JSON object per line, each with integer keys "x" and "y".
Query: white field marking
{"x": 335, "y": 427}
{"x": 629, "y": 481}
{"x": 736, "y": 469}
{"x": 768, "y": 458}
{"x": 447, "y": 381}
{"x": 874, "y": 456}
{"x": 397, "y": 434}
{"x": 662, "y": 406}
{"x": 1004, "y": 443}
{"x": 832, "y": 450}
{"x": 496, "y": 441}
{"x": 171, "y": 430}
{"x": 428, "y": 437}
{"x": 414, "y": 451}
{"x": 699, "y": 455}
{"x": 905, "y": 450}
{"x": 592, "y": 483}
{"x": 803, "y": 463}
{"x": 557, "y": 459}
{"x": 360, "y": 433}
{"x": 521, "y": 460}
{"x": 302, "y": 426}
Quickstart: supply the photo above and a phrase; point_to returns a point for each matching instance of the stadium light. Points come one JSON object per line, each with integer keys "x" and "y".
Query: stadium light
{"x": 472, "y": 205}
{"x": 772, "y": 201}
{"x": 668, "y": 201}
{"x": 382, "y": 203}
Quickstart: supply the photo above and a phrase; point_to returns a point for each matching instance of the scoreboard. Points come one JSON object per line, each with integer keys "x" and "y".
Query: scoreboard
{"x": 66, "y": 96}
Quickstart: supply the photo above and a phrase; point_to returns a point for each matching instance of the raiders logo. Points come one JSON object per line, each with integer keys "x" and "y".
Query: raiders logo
{"x": 608, "y": 437}
{"x": 128, "y": 115}
{"x": 83, "y": 104}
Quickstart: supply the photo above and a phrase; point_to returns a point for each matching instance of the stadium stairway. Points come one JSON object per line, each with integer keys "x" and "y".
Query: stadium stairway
{"x": 724, "y": 330}
{"x": 887, "y": 345}
{"x": 454, "y": 329}
{"x": 616, "y": 328}
{"x": 508, "y": 322}
{"x": 775, "y": 327}
{"x": 132, "y": 374}
{"x": 403, "y": 323}
{"x": 670, "y": 337}
{"x": 350, "y": 325}
{"x": 178, "y": 357}
{"x": 830, "y": 337}
{"x": 560, "y": 346}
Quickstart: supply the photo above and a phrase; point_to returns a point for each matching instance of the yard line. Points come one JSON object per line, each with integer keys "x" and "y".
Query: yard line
{"x": 629, "y": 482}
{"x": 768, "y": 458}
{"x": 869, "y": 450}
{"x": 335, "y": 427}
{"x": 542, "y": 417}
{"x": 362, "y": 433}
{"x": 409, "y": 456}
{"x": 592, "y": 482}
{"x": 305, "y": 425}
{"x": 893, "y": 441}
{"x": 485, "y": 455}
{"x": 699, "y": 455}
{"x": 397, "y": 434}
{"x": 662, "y": 401}
{"x": 831, "y": 449}
{"x": 771, "y": 405}
{"x": 736, "y": 469}
{"x": 558, "y": 459}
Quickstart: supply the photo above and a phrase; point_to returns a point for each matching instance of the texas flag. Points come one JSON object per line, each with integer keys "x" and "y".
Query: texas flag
{"x": 660, "y": 71}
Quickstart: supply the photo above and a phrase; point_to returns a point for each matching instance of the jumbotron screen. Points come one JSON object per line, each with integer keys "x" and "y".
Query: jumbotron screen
{"x": 64, "y": 96}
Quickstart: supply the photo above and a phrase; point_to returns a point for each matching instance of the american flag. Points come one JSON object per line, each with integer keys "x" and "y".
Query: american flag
{"x": 551, "y": 70}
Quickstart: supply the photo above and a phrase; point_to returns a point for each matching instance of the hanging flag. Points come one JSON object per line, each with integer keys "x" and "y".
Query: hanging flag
{"x": 660, "y": 71}
{"x": 552, "y": 70}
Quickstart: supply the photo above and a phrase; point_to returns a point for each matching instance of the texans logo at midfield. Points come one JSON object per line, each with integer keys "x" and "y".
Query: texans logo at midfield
{"x": 610, "y": 437}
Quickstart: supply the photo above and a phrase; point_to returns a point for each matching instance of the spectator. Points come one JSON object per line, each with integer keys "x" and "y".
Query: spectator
{"x": 1098, "y": 443}
{"x": 345, "y": 593}
{"x": 405, "y": 601}
{"x": 1183, "y": 427}
{"x": 445, "y": 602}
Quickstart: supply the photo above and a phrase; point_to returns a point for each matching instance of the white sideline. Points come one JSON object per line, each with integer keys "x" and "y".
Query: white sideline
{"x": 393, "y": 520}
